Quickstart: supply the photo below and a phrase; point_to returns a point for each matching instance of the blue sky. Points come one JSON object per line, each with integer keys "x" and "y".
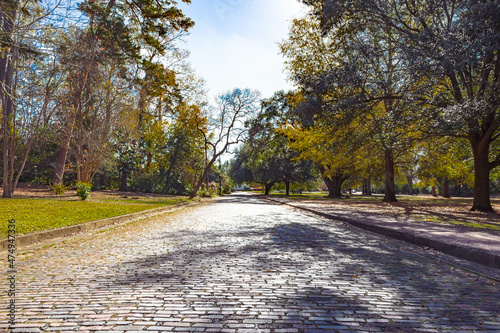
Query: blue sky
{"x": 234, "y": 43}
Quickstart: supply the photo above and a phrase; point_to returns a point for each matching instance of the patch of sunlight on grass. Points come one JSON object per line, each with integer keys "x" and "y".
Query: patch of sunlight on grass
{"x": 33, "y": 215}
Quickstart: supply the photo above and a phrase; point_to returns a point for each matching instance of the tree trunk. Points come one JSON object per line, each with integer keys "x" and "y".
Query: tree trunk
{"x": 62, "y": 155}
{"x": 390, "y": 188}
{"x": 171, "y": 165}
{"x": 7, "y": 115}
{"x": 206, "y": 163}
{"x": 267, "y": 187}
{"x": 6, "y": 80}
{"x": 433, "y": 191}
{"x": 481, "y": 177}
{"x": 287, "y": 180}
{"x": 149, "y": 161}
{"x": 123, "y": 181}
{"x": 446, "y": 188}
{"x": 66, "y": 138}
{"x": 203, "y": 177}
{"x": 334, "y": 185}
{"x": 368, "y": 186}
{"x": 409, "y": 177}
{"x": 23, "y": 164}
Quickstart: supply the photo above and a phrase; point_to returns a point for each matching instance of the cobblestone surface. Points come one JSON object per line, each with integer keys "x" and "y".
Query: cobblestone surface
{"x": 244, "y": 265}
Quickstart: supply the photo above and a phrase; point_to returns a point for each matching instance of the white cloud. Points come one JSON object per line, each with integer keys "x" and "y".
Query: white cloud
{"x": 238, "y": 47}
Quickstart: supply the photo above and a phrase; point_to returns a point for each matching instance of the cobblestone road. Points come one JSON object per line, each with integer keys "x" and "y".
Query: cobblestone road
{"x": 244, "y": 265}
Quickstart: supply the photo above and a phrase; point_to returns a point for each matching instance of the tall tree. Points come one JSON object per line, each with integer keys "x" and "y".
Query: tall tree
{"x": 226, "y": 127}
{"x": 354, "y": 79}
{"x": 444, "y": 160}
{"x": 454, "y": 46}
{"x": 22, "y": 37}
{"x": 271, "y": 148}
{"x": 8, "y": 58}
{"x": 117, "y": 31}
{"x": 239, "y": 170}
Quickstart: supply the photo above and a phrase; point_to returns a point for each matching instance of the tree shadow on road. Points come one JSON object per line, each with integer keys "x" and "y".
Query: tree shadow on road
{"x": 309, "y": 275}
{"x": 242, "y": 199}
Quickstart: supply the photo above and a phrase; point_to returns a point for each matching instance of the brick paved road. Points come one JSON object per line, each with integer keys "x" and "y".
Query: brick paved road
{"x": 244, "y": 265}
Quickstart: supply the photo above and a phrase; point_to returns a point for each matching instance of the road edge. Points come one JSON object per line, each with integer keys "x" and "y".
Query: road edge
{"x": 456, "y": 250}
{"x": 23, "y": 241}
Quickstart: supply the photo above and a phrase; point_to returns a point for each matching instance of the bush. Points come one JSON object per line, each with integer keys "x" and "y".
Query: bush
{"x": 146, "y": 182}
{"x": 227, "y": 189}
{"x": 425, "y": 190}
{"x": 58, "y": 189}
{"x": 83, "y": 190}
{"x": 155, "y": 182}
{"x": 210, "y": 193}
{"x": 207, "y": 194}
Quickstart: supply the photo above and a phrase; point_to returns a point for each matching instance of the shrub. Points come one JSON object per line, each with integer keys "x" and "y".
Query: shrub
{"x": 212, "y": 192}
{"x": 227, "y": 189}
{"x": 83, "y": 190}
{"x": 58, "y": 189}
{"x": 155, "y": 182}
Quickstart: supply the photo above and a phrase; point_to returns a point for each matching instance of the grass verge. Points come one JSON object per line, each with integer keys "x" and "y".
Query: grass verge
{"x": 34, "y": 214}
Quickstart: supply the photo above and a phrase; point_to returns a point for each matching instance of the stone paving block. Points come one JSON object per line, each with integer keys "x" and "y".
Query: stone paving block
{"x": 127, "y": 328}
{"x": 241, "y": 264}
{"x": 74, "y": 328}
{"x": 90, "y": 328}
{"x": 207, "y": 325}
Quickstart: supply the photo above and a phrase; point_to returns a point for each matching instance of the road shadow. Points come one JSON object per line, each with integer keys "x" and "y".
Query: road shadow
{"x": 245, "y": 199}
{"x": 437, "y": 212}
{"x": 307, "y": 275}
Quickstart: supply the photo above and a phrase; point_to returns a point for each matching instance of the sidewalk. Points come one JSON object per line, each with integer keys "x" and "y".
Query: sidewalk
{"x": 478, "y": 245}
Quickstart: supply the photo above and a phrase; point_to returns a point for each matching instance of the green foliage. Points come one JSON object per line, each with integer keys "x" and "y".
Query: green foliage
{"x": 39, "y": 167}
{"x": 227, "y": 188}
{"x": 83, "y": 190}
{"x": 157, "y": 182}
{"x": 267, "y": 157}
{"x": 422, "y": 67}
{"x": 210, "y": 193}
{"x": 444, "y": 158}
{"x": 59, "y": 189}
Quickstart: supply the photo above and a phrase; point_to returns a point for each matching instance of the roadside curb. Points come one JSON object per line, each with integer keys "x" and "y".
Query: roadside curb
{"x": 23, "y": 241}
{"x": 457, "y": 250}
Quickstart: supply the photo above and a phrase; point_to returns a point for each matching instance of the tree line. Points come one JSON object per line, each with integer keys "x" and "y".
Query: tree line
{"x": 388, "y": 89}
{"x": 100, "y": 92}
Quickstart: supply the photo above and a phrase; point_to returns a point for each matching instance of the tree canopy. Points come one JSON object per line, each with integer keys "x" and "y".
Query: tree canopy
{"x": 386, "y": 92}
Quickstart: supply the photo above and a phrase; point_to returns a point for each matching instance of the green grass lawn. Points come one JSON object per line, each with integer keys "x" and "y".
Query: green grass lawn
{"x": 34, "y": 215}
